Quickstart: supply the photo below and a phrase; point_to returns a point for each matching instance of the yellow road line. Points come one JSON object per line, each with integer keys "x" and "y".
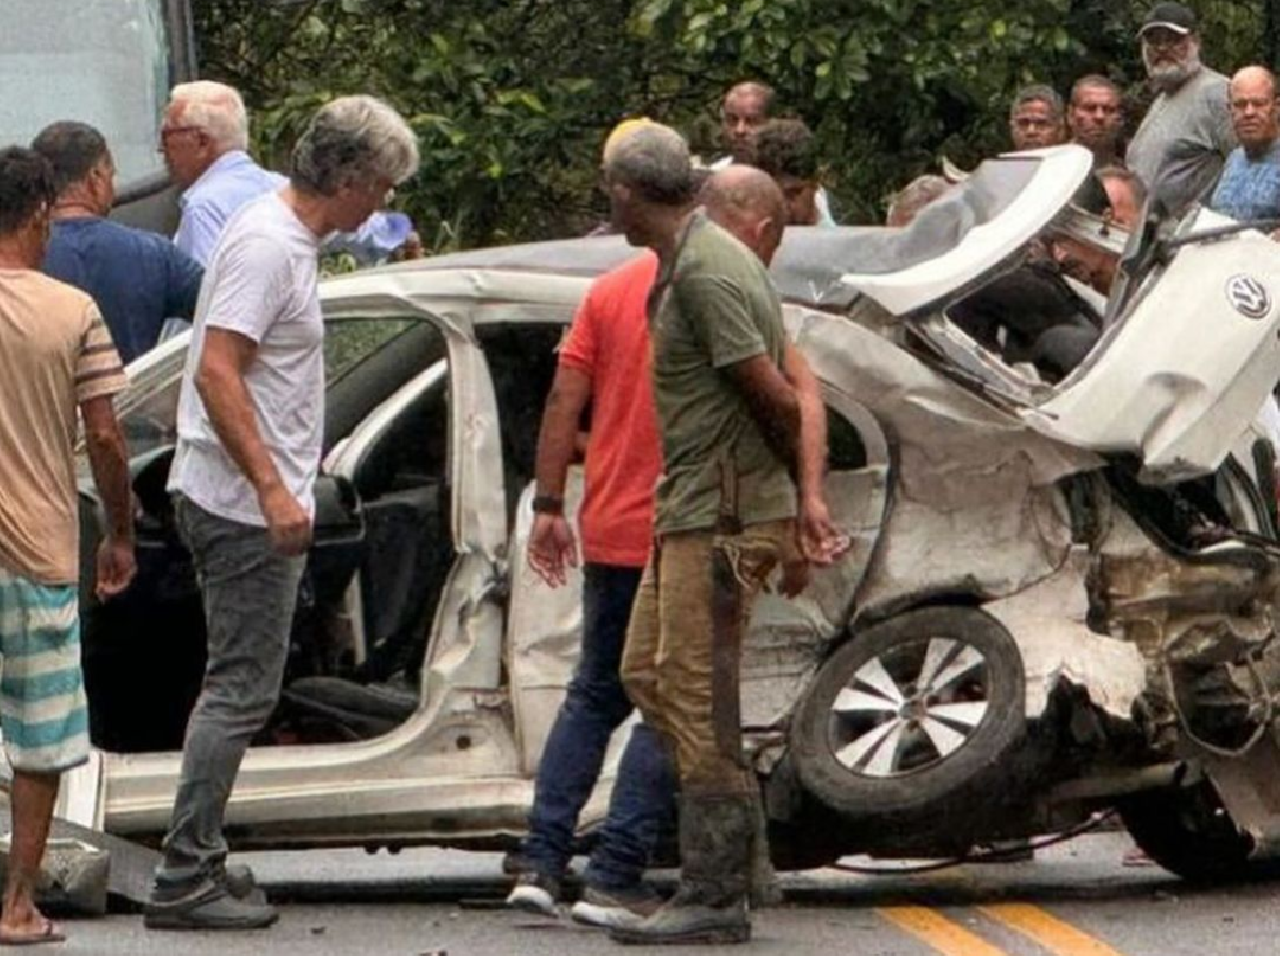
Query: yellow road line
{"x": 931, "y": 927}
{"x": 1047, "y": 930}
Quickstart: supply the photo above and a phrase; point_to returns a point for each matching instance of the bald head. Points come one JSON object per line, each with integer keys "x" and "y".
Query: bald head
{"x": 746, "y": 202}
{"x": 1253, "y": 109}
{"x": 1254, "y": 78}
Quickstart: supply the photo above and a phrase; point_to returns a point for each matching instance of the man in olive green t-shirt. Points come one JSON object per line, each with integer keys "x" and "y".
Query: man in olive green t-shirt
{"x": 731, "y": 425}
{"x": 714, "y": 307}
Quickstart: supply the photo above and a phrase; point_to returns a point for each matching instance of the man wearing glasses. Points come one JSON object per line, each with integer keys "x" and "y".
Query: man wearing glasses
{"x": 1186, "y": 136}
{"x": 205, "y": 140}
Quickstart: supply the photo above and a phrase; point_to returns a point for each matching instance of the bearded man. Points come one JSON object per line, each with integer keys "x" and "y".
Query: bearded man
{"x": 1186, "y": 136}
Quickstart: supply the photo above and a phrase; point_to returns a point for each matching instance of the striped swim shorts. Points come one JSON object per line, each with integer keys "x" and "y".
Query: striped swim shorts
{"x": 43, "y": 717}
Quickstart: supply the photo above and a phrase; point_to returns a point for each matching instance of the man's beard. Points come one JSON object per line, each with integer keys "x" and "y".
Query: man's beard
{"x": 1167, "y": 77}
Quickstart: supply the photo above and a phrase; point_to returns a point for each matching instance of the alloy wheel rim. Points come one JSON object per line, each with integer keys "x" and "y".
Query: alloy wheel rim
{"x": 910, "y": 707}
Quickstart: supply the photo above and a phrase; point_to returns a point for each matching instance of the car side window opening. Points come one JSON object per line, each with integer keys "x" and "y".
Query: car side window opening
{"x": 401, "y": 561}
{"x": 348, "y": 343}
{"x": 394, "y": 349}
{"x": 845, "y": 448}
{"x": 522, "y": 364}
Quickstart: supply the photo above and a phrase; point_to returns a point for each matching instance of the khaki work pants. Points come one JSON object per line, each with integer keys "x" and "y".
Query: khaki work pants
{"x": 684, "y": 646}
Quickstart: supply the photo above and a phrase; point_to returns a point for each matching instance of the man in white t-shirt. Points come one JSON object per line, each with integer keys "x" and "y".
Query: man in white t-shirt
{"x": 249, "y": 436}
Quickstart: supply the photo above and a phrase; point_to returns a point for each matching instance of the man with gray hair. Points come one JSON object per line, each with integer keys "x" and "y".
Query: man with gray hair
{"x": 1186, "y": 136}
{"x": 205, "y": 140}
{"x": 1037, "y": 118}
{"x": 729, "y": 421}
{"x": 249, "y": 436}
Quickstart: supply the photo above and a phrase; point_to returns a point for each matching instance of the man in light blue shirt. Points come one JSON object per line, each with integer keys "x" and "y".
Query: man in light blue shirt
{"x": 204, "y": 138}
{"x": 1249, "y": 189}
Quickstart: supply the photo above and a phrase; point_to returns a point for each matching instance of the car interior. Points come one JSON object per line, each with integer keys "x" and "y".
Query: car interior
{"x": 407, "y": 553}
{"x": 389, "y": 528}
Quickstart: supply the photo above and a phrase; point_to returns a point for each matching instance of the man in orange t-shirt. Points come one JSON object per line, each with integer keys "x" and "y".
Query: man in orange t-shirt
{"x": 604, "y": 362}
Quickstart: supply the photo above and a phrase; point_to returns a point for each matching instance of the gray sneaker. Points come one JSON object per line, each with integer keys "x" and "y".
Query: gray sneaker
{"x": 241, "y": 884}
{"x": 211, "y": 906}
{"x": 535, "y": 893}
{"x": 609, "y": 909}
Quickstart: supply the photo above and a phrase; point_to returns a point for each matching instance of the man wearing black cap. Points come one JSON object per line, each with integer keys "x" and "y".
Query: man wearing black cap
{"x": 1186, "y": 136}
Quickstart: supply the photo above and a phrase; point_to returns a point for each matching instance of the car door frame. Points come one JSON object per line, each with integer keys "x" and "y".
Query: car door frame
{"x": 450, "y": 762}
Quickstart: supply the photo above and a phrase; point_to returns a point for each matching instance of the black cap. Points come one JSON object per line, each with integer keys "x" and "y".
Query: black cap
{"x": 1170, "y": 16}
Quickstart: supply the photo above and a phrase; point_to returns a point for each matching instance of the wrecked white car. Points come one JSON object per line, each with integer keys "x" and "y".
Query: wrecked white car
{"x": 1060, "y": 596}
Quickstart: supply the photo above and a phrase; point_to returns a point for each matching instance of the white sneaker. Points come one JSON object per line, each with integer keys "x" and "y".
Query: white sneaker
{"x": 612, "y": 910}
{"x": 535, "y": 893}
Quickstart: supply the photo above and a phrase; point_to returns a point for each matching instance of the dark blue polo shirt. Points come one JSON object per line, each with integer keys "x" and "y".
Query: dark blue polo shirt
{"x": 138, "y": 278}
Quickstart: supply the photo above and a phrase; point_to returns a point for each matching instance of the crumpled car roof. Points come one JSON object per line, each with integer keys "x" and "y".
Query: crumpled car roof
{"x": 807, "y": 269}
{"x": 811, "y": 261}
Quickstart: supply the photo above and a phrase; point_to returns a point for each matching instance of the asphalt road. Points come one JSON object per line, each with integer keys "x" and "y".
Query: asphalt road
{"x": 1072, "y": 900}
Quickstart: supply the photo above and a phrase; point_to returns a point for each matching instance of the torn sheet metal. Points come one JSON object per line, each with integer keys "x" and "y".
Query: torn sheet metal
{"x": 544, "y": 631}
{"x": 973, "y": 503}
{"x": 1048, "y": 623}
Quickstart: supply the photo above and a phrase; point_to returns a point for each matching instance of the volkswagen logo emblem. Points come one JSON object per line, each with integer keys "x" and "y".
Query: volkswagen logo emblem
{"x": 1248, "y": 296}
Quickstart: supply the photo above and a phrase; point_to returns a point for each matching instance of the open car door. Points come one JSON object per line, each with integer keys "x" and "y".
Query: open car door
{"x": 1192, "y": 344}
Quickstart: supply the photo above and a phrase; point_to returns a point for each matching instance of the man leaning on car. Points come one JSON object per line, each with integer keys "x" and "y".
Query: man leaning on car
{"x": 243, "y": 476}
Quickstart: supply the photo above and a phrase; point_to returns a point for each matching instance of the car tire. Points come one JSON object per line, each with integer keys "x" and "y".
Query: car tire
{"x": 868, "y": 742}
{"x": 1187, "y": 831}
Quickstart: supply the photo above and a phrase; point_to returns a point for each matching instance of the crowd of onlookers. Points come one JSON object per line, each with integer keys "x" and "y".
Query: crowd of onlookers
{"x": 1205, "y": 138}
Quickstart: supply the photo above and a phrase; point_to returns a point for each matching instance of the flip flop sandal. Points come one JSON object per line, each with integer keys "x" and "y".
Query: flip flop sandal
{"x": 50, "y": 934}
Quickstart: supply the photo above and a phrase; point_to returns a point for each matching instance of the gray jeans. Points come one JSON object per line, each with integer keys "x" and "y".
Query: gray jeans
{"x": 249, "y": 594}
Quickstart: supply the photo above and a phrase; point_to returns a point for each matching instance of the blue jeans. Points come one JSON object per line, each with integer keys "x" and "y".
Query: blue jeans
{"x": 594, "y": 707}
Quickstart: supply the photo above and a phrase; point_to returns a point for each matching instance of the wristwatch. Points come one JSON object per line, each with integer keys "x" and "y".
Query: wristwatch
{"x": 548, "y": 505}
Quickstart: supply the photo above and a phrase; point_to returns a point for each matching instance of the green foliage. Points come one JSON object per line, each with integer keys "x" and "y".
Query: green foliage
{"x": 513, "y": 98}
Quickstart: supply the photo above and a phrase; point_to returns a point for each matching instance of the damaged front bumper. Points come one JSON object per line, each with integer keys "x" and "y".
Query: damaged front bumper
{"x": 1204, "y": 625}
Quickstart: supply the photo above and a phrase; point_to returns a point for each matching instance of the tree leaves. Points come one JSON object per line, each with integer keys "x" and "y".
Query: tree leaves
{"x": 512, "y": 99}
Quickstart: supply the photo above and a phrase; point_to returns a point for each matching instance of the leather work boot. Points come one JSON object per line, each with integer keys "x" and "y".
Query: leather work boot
{"x": 710, "y": 907}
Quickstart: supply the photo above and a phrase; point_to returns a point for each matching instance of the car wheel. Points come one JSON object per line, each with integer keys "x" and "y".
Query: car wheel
{"x": 912, "y": 715}
{"x": 1187, "y": 831}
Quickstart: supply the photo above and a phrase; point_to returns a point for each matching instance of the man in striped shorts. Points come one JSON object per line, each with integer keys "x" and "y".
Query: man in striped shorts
{"x": 56, "y": 355}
